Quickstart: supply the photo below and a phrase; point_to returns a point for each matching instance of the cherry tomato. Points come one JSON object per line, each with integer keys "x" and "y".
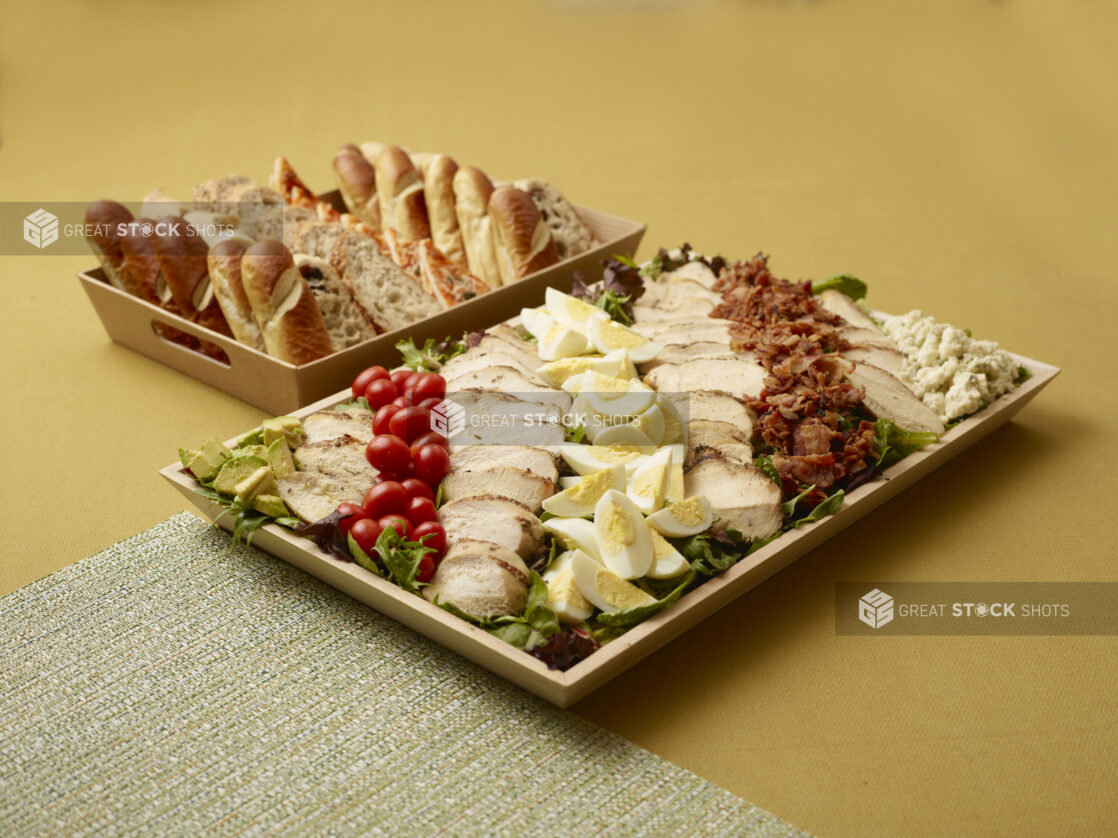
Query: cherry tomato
{"x": 425, "y": 385}
{"x": 382, "y": 417}
{"x": 389, "y": 454}
{"x": 366, "y": 532}
{"x": 365, "y": 378}
{"x": 437, "y": 539}
{"x": 351, "y": 514}
{"x": 430, "y": 404}
{"x": 380, "y": 393}
{"x": 429, "y": 438}
{"x": 432, "y": 462}
{"x": 416, "y": 488}
{"x": 387, "y": 498}
{"x": 400, "y": 377}
{"x": 402, "y": 525}
{"x": 425, "y": 569}
{"x": 419, "y": 511}
{"x": 410, "y": 423}
{"x": 402, "y": 402}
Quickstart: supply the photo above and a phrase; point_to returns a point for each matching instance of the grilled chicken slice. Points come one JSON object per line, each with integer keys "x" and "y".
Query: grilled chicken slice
{"x": 669, "y": 294}
{"x": 508, "y": 481}
{"x": 721, "y": 437}
{"x": 687, "y": 307}
{"x": 483, "y": 579}
{"x": 343, "y": 457}
{"x": 838, "y": 303}
{"x": 692, "y": 271}
{"x": 717, "y": 406}
{"x": 681, "y": 353}
{"x": 654, "y": 330}
{"x": 502, "y": 521}
{"x": 740, "y": 494}
{"x": 331, "y": 424}
{"x": 739, "y": 376}
{"x": 529, "y": 458}
{"x": 513, "y": 382}
{"x": 478, "y": 359}
{"x": 882, "y": 357}
{"x": 311, "y": 495}
{"x": 887, "y": 397}
{"x": 492, "y": 417}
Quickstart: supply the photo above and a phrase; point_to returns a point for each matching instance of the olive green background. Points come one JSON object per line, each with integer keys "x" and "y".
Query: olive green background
{"x": 959, "y": 156}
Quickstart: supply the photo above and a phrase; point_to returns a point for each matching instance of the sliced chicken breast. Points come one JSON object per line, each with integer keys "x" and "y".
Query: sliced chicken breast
{"x": 480, "y": 359}
{"x": 311, "y": 495}
{"x": 692, "y": 271}
{"x": 882, "y": 357}
{"x": 681, "y": 353}
{"x": 343, "y": 457}
{"x": 509, "y": 380}
{"x": 668, "y": 294}
{"x": 838, "y": 303}
{"x": 888, "y": 397}
{"x": 331, "y": 424}
{"x": 739, "y": 494}
{"x": 483, "y": 579}
{"x": 739, "y": 376}
{"x": 507, "y": 481}
{"x": 687, "y": 307}
{"x": 654, "y": 330}
{"x": 491, "y": 417}
{"x": 721, "y": 437}
{"x": 499, "y": 520}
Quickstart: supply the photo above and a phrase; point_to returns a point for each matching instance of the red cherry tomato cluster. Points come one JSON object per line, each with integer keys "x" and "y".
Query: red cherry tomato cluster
{"x": 411, "y": 459}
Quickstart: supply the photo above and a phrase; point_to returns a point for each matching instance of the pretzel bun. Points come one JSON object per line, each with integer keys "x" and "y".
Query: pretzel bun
{"x": 521, "y": 239}
{"x": 103, "y": 224}
{"x": 283, "y": 304}
{"x": 357, "y": 181}
{"x": 225, "y": 277}
{"x": 472, "y": 190}
{"x": 438, "y": 192}
{"x": 400, "y": 193}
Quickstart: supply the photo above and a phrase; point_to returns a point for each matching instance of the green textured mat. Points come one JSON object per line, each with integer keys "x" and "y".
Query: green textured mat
{"x": 174, "y": 685}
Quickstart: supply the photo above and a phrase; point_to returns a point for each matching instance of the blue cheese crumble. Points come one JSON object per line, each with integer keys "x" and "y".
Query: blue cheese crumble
{"x": 954, "y": 374}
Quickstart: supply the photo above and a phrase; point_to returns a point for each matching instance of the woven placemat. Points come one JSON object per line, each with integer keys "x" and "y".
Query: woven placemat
{"x": 176, "y": 685}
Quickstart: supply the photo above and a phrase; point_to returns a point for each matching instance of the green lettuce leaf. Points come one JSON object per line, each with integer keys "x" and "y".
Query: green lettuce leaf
{"x": 361, "y": 557}
{"x": 827, "y": 507}
{"x": 401, "y": 558}
{"x": 631, "y": 616}
{"x": 851, "y": 286}
{"x": 892, "y": 444}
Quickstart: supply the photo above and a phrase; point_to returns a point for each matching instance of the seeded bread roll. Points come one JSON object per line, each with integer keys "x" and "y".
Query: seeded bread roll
{"x": 438, "y": 191}
{"x": 520, "y": 237}
{"x": 283, "y": 304}
{"x": 345, "y": 321}
{"x": 400, "y": 192}
{"x": 472, "y": 190}
{"x": 357, "y": 181}
{"x": 225, "y": 276}
{"x": 568, "y": 230}
{"x": 104, "y": 221}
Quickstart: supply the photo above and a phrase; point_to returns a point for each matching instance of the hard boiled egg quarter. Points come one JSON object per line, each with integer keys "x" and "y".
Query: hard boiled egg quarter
{"x": 575, "y": 534}
{"x": 604, "y": 588}
{"x": 648, "y": 487}
{"x": 606, "y": 335}
{"x": 570, "y": 311}
{"x": 623, "y": 537}
{"x": 683, "y": 518}
{"x": 580, "y": 501}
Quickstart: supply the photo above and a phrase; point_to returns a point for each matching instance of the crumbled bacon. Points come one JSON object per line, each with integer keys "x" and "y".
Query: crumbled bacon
{"x": 807, "y": 411}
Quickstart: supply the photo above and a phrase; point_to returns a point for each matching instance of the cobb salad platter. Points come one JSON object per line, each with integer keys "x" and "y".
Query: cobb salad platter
{"x": 559, "y": 495}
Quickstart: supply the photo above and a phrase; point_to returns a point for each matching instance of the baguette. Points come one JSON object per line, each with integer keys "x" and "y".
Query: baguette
{"x": 357, "y": 181}
{"x": 472, "y": 190}
{"x": 520, "y": 237}
{"x": 438, "y": 192}
{"x": 104, "y": 222}
{"x": 225, "y": 275}
{"x": 400, "y": 192}
{"x": 568, "y": 230}
{"x": 283, "y": 304}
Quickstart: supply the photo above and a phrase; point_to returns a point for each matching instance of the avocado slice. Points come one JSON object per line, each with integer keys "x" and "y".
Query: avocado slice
{"x": 206, "y": 463}
{"x": 279, "y": 455}
{"x": 271, "y": 505}
{"x": 235, "y": 470}
{"x": 293, "y": 429}
{"x": 272, "y": 429}
{"x": 260, "y": 451}
{"x": 260, "y": 482}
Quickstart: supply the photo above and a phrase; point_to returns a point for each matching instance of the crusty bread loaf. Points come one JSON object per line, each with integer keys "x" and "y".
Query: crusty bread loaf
{"x": 283, "y": 304}
{"x": 472, "y": 190}
{"x": 225, "y": 277}
{"x": 438, "y": 192}
{"x": 520, "y": 237}
{"x": 357, "y": 181}
{"x": 345, "y": 320}
{"x": 400, "y": 192}
{"x": 141, "y": 276}
{"x": 214, "y": 195}
{"x": 103, "y": 226}
{"x": 568, "y": 230}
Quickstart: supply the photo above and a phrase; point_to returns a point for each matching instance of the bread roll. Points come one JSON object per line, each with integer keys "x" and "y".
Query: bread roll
{"x": 472, "y": 190}
{"x": 183, "y": 262}
{"x": 225, "y": 276}
{"x": 568, "y": 230}
{"x": 142, "y": 276}
{"x": 438, "y": 192}
{"x": 400, "y": 192}
{"x": 104, "y": 222}
{"x": 283, "y": 304}
{"x": 345, "y": 320}
{"x": 357, "y": 181}
{"x": 520, "y": 237}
